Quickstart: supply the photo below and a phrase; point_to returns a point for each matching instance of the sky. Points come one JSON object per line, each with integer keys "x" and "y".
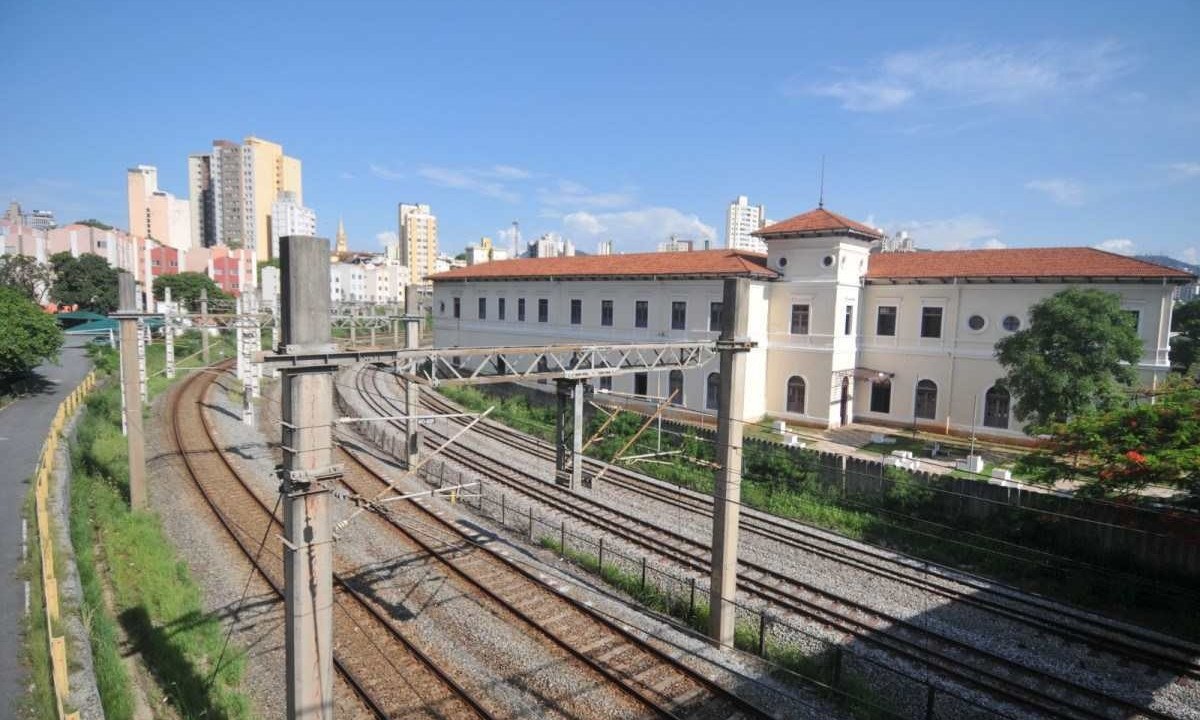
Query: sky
{"x": 968, "y": 124}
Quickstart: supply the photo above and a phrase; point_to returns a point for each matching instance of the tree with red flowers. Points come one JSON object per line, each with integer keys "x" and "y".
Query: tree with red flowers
{"x": 1121, "y": 451}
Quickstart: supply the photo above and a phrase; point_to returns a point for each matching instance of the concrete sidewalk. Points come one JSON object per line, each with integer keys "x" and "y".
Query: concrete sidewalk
{"x": 23, "y": 426}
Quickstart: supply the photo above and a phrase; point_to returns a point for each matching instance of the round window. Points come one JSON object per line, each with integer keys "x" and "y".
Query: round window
{"x": 827, "y": 260}
{"x": 1012, "y": 323}
{"x": 782, "y": 262}
{"x": 976, "y": 322}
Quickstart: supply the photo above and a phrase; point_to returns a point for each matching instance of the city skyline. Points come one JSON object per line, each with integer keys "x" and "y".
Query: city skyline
{"x": 966, "y": 127}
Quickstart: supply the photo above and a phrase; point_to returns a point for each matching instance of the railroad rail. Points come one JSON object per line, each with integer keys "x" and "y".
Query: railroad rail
{"x": 954, "y": 660}
{"x": 388, "y": 675}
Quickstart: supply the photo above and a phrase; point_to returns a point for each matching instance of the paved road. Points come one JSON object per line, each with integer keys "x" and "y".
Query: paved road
{"x": 23, "y": 427}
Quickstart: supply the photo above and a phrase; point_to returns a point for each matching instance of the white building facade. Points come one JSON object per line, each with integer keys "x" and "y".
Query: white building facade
{"x": 842, "y": 333}
{"x": 742, "y": 220}
{"x": 289, "y": 217}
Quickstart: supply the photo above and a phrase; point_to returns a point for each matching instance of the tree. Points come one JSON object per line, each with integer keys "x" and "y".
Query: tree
{"x": 93, "y": 222}
{"x": 1185, "y": 347}
{"x": 25, "y": 275}
{"x": 1127, "y": 448}
{"x": 30, "y": 335}
{"x": 1078, "y": 354}
{"x": 88, "y": 281}
{"x": 186, "y": 287}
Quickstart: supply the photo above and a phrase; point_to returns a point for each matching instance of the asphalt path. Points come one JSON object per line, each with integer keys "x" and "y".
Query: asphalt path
{"x": 23, "y": 426}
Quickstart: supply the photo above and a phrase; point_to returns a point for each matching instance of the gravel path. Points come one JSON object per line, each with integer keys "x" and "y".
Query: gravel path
{"x": 1047, "y": 652}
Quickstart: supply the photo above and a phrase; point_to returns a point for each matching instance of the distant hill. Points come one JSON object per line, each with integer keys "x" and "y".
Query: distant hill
{"x": 1170, "y": 262}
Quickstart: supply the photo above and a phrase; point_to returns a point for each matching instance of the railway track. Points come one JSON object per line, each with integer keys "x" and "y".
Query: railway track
{"x": 956, "y": 661}
{"x": 390, "y": 677}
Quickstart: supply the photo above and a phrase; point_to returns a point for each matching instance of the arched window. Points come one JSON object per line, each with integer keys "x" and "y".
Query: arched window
{"x": 925, "y": 406}
{"x": 795, "y": 394}
{"x": 712, "y": 392}
{"x": 675, "y": 386}
{"x": 995, "y": 407}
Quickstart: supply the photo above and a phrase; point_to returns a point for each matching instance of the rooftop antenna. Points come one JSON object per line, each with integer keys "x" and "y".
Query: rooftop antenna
{"x": 821, "y": 196}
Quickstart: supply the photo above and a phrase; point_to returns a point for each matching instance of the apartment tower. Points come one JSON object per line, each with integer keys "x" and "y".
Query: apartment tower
{"x": 741, "y": 220}
{"x": 418, "y": 241}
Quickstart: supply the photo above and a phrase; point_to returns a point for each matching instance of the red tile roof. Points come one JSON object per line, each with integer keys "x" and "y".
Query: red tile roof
{"x": 704, "y": 263}
{"x": 1067, "y": 262}
{"x": 816, "y": 221}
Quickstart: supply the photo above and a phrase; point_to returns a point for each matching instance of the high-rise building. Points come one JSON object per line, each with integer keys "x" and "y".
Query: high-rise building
{"x": 242, "y": 183}
{"x": 676, "y": 245}
{"x": 155, "y": 213}
{"x": 200, "y": 196}
{"x": 604, "y": 247}
{"x": 289, "y": 217}
{"x": 741, "y": 220}
{"x": 418, "y": 243}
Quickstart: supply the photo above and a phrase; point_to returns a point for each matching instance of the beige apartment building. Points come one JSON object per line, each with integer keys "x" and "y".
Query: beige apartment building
{"x": 418, "y": 242}
{"x": 843, "y": 331}
{"x": 155, "y": 213}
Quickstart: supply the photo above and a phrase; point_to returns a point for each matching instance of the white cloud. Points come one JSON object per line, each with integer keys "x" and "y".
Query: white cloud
{"x": 980, "y": 75}
{"x": 386, "y": 237}
{"x": 1121, "y": 246}
{"x": 956, "y": 233}
{"x": 640, "y": 229}
{"x": 385, "y": 173}
{"x": 472, "y": 180}
{"x": 509, "y": 172}
{"x": 1060, "y": 190}
{"x": 575, "y": 195}
{"x": 347, "y": 176}
{"x": 1184, "y": 170}
{"x": 1190, "y": 255}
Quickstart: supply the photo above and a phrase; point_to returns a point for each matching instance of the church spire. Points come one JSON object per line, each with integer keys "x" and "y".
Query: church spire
{"x": 341, "y": 246}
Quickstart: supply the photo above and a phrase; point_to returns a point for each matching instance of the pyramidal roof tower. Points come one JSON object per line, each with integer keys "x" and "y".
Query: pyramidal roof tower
{"x": 341, "y": 247}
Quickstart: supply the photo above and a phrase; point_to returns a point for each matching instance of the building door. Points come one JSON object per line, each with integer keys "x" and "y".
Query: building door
{"x": 845, "y": 404}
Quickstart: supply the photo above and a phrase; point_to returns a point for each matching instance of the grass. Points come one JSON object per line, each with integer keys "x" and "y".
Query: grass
{"x": 792, "y": 663}
{"x": 39, "y": 703}
{"x": 150, "y": 593}
{"x": 1006, "y": 545}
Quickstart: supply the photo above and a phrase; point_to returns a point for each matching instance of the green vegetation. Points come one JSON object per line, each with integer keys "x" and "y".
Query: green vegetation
{"x": 131, "y": 575}
{"x": 39, "y": 702}
{"x": 186, "y": 287}
{"x": 792, "y": 663}
{"x": 25, "y": 275}
{"x": 87, "y": 281}
{"x": 1079, "y": 354}
{"x": 1185, "y": 347}
{"x": 30, "y": 337}
{"x": 1015, "y": 545}
{"x": 92, "y": 222}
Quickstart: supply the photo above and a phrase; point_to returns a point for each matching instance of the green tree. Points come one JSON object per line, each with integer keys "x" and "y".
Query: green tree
{"x": 25, "y": 275}
{"x": 1185, "y": 347}
{"x": 186, "y": 287}
{"x": 1078, "y": 354}
{"x": 93, "y": 222}
{"x": 30, "y": 335}
{"x": 88, "y": 281}
{"x": 1127, "y": 448}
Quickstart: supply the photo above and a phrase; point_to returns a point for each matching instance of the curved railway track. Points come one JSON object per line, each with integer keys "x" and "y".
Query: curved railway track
{"x": 954, "y": 660}
{"x": 389, "y": 676}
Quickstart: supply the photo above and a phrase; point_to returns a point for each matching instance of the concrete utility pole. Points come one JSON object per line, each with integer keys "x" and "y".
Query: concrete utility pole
{"x": 143, "y": 331}
{"x": 131, "y": 349}
{"x": 204, "y": 325}
{"x": 308, "y": 477}
{"x": 412, "y": 391}
{"x": 727, "y": 494}
{"x": 168, "y": 335}
{"x": 568, "y": 461}
{"x": 240, "y": 343}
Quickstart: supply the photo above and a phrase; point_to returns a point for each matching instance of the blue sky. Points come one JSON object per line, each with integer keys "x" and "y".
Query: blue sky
{"x": 968, "y": 124}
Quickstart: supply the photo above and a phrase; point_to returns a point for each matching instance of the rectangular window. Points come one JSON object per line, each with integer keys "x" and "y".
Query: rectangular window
{"x": 881, "y": 396}
{"x": 714, "y": 317}
{"x": 640, "y": 383}
{"x": 457, "y": 307}
{"x": 799, "y": 320}
{"x": 606, "y": 382}
{"x": 483, "y": 308}
{"x": 849, "y": 320}
{"x": 500, "y": 308}
{"x": 885, "y": 321}
{"x": 931, "y": 322}
{"x": 1135, "y": 318}
{"x": 679, "y": 315}
{"x": 576, "y": 312}
{"x": 641, "y": 314}
{"x": 543, "y": 310}
{"x": 520, "y": 309}
{"x": 606, "y": 313}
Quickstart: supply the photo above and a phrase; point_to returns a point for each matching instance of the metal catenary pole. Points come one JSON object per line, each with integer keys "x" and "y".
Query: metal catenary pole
{"x": 728, "y": 490}
{"x": 204, "y": 325}
{"x": 308, "y": 477}
{"x": 168, "y": 335}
